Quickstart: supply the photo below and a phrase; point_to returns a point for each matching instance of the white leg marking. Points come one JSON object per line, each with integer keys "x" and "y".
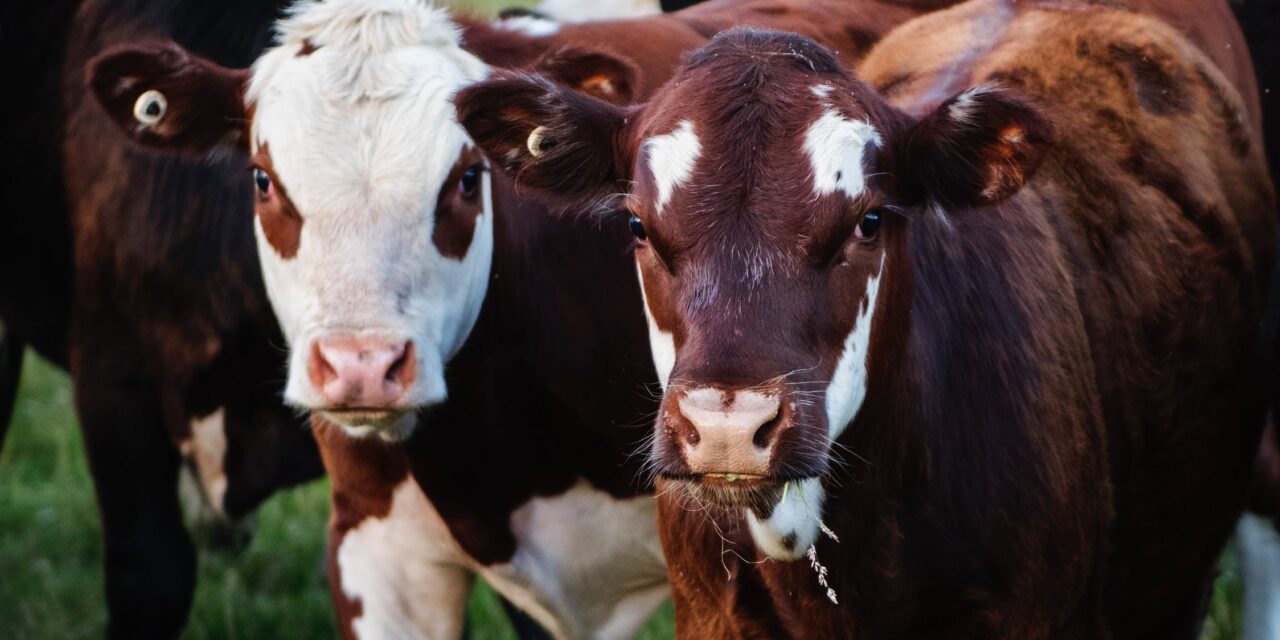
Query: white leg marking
{"x": 671, "y": 158}
{"x": 1260, "y": 569}
{"x": 587, "y": 565}
{"x": 797, "y": 516}
{"x": 207, "y": 449}
{"x": 848, "y": 386}
{"x": 407, "y": 572}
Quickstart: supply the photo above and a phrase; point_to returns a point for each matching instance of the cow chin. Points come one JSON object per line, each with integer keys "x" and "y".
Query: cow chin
{"x": 388, "y": 425}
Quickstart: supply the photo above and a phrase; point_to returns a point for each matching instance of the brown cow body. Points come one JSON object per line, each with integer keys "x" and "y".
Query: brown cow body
{"x": 1051, "y": 315}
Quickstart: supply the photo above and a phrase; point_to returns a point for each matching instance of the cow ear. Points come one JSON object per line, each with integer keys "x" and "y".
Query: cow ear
{"x": 163, "y": 96}
{"x": 547, "y": 137}
{"x": 979, "y": 147}
{"x": 593, "y": 73}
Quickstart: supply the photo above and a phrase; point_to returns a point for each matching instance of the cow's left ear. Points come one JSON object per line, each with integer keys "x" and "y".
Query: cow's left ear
{"x": 546, "y": 137}
{"x": 979, "y": 147}
{"x": 163, "y": 96}
{"x": 594, "y": 73}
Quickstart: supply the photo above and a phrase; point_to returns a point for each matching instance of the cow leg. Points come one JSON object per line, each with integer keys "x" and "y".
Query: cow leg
{"x": 1259, "y": 546}
{"x": 526, "y": 627}
{"x": 10, "y": 372}
{"x": 150, "y": 562}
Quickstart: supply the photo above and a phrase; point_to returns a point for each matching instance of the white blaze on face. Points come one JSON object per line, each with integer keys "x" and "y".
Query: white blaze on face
{"x": 836, "y": 146}
{"x": 661, "y": 343}
{"x": 671, "y": 158}
{"x": 848, "y": 387}
{"x": 362, "y": 136}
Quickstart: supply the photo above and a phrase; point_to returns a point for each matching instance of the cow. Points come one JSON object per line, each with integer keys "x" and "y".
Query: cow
{"x": 963, "y": 345}
{"x": 472, "y": 363}
{"x": 126, "y": 271}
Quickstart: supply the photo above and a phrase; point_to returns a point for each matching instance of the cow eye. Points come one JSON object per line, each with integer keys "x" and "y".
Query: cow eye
{"x": 869, "y": 226}
{"x": 637, "y": 228}
{"x": 469, "y": 184}
{"x": 262, "y": 180}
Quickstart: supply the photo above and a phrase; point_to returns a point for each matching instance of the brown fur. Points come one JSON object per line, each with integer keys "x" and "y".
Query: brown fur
{"x": 1064, "y": 364}
{"x": 281, "y": 224}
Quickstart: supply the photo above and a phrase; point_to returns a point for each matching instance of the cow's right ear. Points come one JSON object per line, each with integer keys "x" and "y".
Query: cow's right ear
{"x": 547, "y": 137}
{"x": 163, "y": 96}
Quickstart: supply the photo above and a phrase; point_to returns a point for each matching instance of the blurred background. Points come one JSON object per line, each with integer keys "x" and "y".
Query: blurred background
{"x": 273, "y": 587}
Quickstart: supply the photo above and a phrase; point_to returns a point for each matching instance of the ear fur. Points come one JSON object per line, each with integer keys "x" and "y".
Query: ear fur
{"x": 593, "y": 73}
{"x": 979, "y": 147}
{"x": 546, "y": 137}
{"x": 162, "y": 96}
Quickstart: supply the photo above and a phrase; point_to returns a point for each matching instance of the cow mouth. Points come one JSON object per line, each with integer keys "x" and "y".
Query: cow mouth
{"x": 735, "y": 490}
{"x": 389, "y": 425}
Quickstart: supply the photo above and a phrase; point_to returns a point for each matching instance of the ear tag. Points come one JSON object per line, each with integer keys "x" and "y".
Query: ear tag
{"x": 150, "y": 108}
{"x": 534, "y": 143}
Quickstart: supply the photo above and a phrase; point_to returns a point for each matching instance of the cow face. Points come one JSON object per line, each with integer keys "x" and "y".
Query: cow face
{"x": 771, "y": 196}
{"x": 373, "y": 210}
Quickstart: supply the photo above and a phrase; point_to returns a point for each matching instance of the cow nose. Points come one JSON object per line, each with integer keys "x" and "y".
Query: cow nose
{"x": 733, "y": 431}
{"x": 361, "y": 373}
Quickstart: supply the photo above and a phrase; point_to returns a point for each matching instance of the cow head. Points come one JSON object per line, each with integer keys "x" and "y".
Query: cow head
{"x": 770, "y": 193}
{"x": 374, "y": 212}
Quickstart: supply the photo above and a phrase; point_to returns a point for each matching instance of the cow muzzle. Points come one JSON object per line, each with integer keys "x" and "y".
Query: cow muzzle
{"x": 362, "y": 381}
{"x": 728, "y": 435}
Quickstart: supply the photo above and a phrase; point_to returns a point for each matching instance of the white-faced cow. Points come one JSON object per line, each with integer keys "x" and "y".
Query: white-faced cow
{"x": 472, "y": 362}
{"x": 969, "y": 349}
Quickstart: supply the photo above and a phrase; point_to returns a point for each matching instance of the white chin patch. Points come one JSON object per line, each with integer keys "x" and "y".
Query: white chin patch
{"x": 794, "y": 524}
{"x": 396, "y": 430}
{"x": 207, "y": 450}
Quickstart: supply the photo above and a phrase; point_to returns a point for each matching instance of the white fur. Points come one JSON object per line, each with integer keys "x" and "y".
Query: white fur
{"x": 362, "y": 136}
{"x": 835, "y": 145}
{"x": 409, "y": 575}
{"x": 848, "y": 387}
{"x": 586, "y": 565}
{"x": 797, "y": 514}
{"x": 661, "y": 343}
{"x": 585, "y": 10}
{"x": 1259, "y": 546}
{"x": 206, "y": 447}
{"x": 532, "y": 26}
{"x": 671, "y": 158}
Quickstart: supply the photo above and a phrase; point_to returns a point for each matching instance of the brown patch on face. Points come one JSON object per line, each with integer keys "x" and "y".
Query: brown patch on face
{"x": 281, "y": 223}
{"x": 307, "y": 49}
{"x": 458, "y": 206}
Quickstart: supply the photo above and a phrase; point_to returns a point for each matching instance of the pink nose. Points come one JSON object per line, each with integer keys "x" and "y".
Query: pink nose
{"x": 360, "y": 373}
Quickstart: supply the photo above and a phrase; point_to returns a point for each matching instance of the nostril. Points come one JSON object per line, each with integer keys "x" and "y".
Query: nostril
{"x": 401, "y": 369}
{"x": 764, "y": 435}
{"x": 319, "y": 369}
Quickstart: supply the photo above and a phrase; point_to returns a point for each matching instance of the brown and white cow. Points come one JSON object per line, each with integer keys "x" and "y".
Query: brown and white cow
{"x": 472, "y": 362}
{"x": 970, "y": 349}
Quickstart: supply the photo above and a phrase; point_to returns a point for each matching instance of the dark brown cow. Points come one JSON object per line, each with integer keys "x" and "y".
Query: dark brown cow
{"x": 128, "y": 271}
{"x": 381, "y": 271}
{"x": 975, "y": 355}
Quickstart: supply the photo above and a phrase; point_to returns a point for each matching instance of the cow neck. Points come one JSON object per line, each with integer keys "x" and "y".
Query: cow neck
{"x": 552, "y": 386}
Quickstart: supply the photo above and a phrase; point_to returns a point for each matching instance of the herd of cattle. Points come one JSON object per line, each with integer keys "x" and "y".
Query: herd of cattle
{"x": 826, "y": 318}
